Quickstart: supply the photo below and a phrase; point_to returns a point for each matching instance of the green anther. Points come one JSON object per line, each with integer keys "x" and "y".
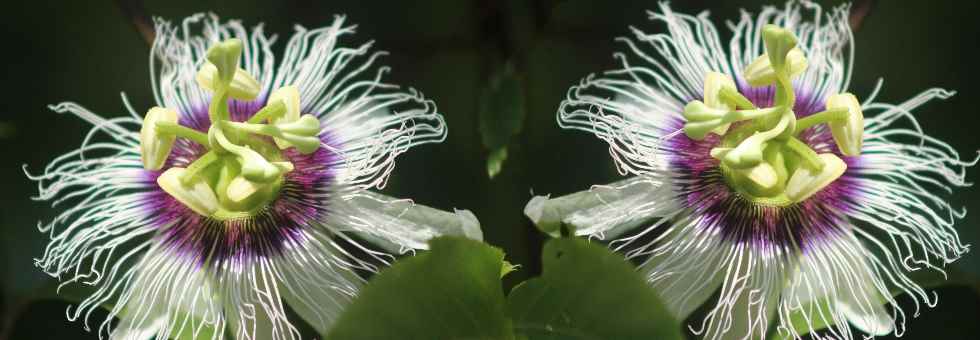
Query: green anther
{"x": 178, "y": 130}
{"x": 732, "y": 96}
{"x": 828, "y": 116}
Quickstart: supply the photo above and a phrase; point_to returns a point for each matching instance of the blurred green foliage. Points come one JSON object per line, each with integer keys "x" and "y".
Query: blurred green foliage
{"x": 452, "y": 291}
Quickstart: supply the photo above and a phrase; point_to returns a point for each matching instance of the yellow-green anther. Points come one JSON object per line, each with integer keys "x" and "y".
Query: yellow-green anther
{"x": 763, "y": 178}
{"x": 192, "y": 191}
{"x": 242, "y": 86}
{"x": 155, "y": 146}
{"x": 849, "y": 132}
{"x": 284, "y": 166}
{"x": 714, "y": 83}
{"x": 719, "y": 152}
{"x": 289, "y": 96}
{"x": 748, "y": 153}
{"x": 240, "y": 189}
{"x": 224, "y": 57}
{"x": 761, "y": 73}
{"x": 805, "y": 182}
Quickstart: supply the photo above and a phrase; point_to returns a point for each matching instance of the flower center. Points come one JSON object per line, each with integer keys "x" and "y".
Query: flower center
{"x": 760, "y": 153}
{"x": 243, "y": 168}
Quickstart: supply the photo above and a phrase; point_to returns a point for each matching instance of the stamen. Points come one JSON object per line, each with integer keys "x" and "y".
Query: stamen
{"x": 849, "y": 131}
{"x": 762, "y": 157}
{"x": 243, "y": 169}
{"x": 155, "y": 146}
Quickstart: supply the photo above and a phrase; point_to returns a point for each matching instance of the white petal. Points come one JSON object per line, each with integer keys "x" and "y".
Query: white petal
{"x": 605, "y": 211}
{"x": 168, "y": 296}
{"x": 750, "y": 295}
{"x": 319, "y": 284}
{"x": 687, "y": 274}
{"x": 859, "y": 290}
{"x": 398, "y": 225}
{"x": 836, "y": 282}
{"x": 129, "y": 329}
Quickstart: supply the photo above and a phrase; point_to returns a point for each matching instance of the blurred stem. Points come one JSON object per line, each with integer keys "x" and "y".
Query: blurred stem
{"x": 133, "y": 9}
{"x": 860, "y": 10}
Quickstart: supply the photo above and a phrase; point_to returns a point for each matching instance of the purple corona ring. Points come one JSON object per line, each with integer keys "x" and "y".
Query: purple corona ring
{"x": 246, "y": 189}
{"x": 754, "y": 177}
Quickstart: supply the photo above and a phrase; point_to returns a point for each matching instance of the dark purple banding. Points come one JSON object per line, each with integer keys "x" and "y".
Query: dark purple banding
{"x": 700, "y": 184}
{"x": 217, "y": 243}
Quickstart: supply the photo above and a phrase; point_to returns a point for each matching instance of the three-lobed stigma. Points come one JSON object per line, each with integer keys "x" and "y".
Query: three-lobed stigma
{"x": 761, "y": 156}
{"x": 244, "y": 167}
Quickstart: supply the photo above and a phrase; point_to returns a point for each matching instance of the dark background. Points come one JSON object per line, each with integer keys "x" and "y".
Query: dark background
{"x": 89, "y": 51}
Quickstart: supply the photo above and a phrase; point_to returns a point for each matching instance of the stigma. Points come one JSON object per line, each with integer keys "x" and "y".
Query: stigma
{"x": 759, "y": 149}
{"x": 243, "y": 168}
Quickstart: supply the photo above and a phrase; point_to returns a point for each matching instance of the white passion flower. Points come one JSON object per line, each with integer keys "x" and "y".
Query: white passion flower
{"x": 245, "y": 190}
{"x": 754, "y": 174}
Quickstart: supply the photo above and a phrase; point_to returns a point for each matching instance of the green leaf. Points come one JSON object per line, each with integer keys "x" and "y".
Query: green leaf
{"x": 6, "y": 130}
{"x": 452, "y": 291}
{"x": 495, "y": 161}
{"x": 501, "y": 115}
{"x": 588, "y": 292}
